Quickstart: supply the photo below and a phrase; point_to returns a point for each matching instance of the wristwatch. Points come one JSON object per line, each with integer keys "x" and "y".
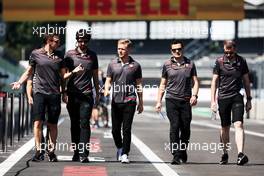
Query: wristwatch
{"x": 196, "y": 96}
{"x": 249, "y": 98}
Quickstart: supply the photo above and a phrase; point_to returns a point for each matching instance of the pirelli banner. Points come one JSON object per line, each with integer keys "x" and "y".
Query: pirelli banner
{"x": 105, "y": 10}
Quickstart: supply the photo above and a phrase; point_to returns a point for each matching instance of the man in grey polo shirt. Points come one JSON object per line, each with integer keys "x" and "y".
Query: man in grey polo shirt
{"x": 178, "y": 76}
{"x": 125, "y": 74}
{"x": 48, "y": 72}
{"x": 228, "y": 73}
{"x": 79, "y": 96}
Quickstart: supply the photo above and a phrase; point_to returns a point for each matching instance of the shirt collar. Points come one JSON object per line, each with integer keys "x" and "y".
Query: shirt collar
{"x": 118, "y": 60}
{"x": 43, "y": 51}
{"x": 182, "y": 62}
{"x": 80, "y": 52}
{"x": 226, "y": 60}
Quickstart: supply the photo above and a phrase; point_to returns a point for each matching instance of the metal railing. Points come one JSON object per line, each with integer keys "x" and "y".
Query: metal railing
{"x": 15, "y": 119}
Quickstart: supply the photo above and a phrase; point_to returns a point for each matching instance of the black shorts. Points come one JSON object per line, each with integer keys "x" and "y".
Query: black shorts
{"x": 46, "y": 103}
{"x": 234, "y": 104}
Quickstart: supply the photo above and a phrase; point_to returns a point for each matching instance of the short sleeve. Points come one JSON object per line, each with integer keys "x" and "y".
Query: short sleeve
{"x": 67, "y": 61}
{"x": 95, "y": 63}
{"x": 245, "y": 69}
{"x": 193, "y": 71}
{"x": 216, "y": 68}
{"x": 109, "y": 72}
{"x": 164, "y": 72}
{"x": 32, "y": 60}
{"x": 138, "y": 72}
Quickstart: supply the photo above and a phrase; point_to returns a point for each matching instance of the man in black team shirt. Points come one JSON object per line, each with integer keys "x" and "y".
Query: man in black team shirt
{"x": 125, "y": 74}
{"x": 79, "y": 93}
{"x": 228, "y": 73}
{"x": 178, "y": 76}
{"x": 48, "y": 68}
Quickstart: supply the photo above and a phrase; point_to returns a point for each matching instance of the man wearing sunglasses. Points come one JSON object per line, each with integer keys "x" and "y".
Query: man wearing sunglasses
{"x": 178, "y": 77}
{"x": 228, "y": 73}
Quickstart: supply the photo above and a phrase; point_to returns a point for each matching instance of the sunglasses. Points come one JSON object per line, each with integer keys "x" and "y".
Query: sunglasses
{"x": 176, "y": 49}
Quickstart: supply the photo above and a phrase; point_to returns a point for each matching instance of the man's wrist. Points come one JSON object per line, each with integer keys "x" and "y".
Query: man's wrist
{"x": 249, "y": 98}
{"x": 196, "y": 96}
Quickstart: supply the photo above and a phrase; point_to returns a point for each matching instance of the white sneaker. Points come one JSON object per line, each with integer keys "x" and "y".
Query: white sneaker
{"x": 119, "y": 154}
{"x": 125, "y": 158}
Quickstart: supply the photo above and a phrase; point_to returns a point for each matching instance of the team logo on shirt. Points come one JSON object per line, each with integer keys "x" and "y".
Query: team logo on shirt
{"x": 85, "y": 57}
{"x": 55, "y": 58}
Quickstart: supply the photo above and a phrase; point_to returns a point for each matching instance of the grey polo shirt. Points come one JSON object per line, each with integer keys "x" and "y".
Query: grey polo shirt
{"x": 47, "y": 77}
{"x": 124, "y": 80}
{"x": 230, "y": 75}
{"x": 179, "y": 78}
{"x": 81, "y": 83}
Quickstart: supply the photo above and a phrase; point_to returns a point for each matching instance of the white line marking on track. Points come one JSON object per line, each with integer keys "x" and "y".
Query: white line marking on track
{"x": 158, "y": 163}
{"x": 69, "y": 158}
{"x": 195, "y": 122}
{"x": 232, "y": 129}
{"x": 7, "y": 164}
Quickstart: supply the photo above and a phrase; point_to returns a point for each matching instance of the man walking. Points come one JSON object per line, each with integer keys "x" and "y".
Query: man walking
{"x": 228, "y": 73}
{"x": 125, "y": 74}
{"x": 48, "y": 72}
{"x": 82, "y": 75}
{"x": 178, "y": 76}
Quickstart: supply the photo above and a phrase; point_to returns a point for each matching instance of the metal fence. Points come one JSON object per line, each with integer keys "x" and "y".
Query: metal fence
{"x": 15, "y": 119}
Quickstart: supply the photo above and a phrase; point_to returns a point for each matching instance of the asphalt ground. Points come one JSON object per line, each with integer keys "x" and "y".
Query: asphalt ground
{"x": 149, "y": 153}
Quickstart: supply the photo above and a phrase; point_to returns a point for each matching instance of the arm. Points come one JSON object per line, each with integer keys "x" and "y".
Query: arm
{"x": 64, "y": 71}
{"x": 16, "y": 85}
{"x": 161, "y": 91}
{"x": 107, "y": 86}
{"x": 193, "y": 100}
{"x": 96, "y": 85}
{"x": 29, "y": 90}
{"x": 140, "y": 107}
{"x": 67, "y": 74}
{"x": 213, "y": 92}
{"x": 246, "y": 82}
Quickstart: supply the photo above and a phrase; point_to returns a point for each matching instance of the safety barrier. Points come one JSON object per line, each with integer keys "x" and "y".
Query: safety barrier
{"x": 15, "y": 119}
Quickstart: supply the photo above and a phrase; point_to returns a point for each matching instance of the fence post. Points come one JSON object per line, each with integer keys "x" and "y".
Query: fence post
{"x": 12, "y": 120}
{"x": 5, "y": 122}
{"x": 19, "y": 117}
{"x": 23, "y": 115}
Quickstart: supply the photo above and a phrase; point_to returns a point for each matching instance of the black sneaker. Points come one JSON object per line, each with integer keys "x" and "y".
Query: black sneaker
{"x": 37, "y": 156}
{"x": 84, "y": 160}
{"x": 242, "y": 159}
{"x": 224, "y": 159}
{"x": 52, "y": 157}
{"x": 42, "y": 156}
{"x": 76, "y": 157}
{"x": 176, "y": 160}
{"x": 183, "y": 156}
